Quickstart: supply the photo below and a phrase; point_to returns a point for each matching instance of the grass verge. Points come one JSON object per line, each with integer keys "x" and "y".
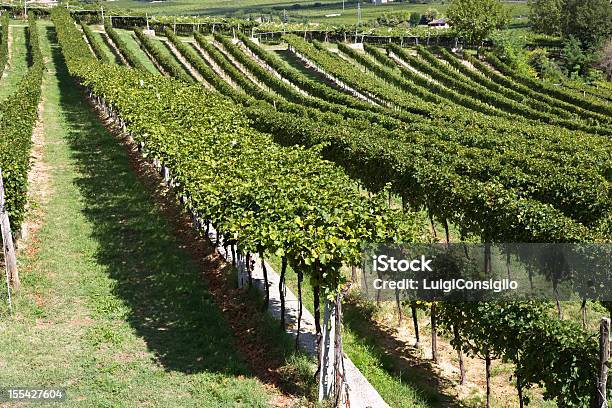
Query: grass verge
{"x": 112, "y": 306}
{"x": 17, "y": 64}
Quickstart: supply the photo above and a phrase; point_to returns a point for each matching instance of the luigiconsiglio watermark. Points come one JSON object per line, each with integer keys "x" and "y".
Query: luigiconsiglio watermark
{"x": 487, "y": 272}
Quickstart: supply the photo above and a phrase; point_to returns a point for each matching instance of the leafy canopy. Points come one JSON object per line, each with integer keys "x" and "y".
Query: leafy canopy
{"x": 589, "y": 21}
{"x": 475, "y": 20}
{"x": 546, "y": 16}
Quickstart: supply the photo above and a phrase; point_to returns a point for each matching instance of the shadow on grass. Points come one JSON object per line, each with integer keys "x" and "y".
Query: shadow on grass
{"x": 167, "y": 302}
{"x": 396, "y": 357}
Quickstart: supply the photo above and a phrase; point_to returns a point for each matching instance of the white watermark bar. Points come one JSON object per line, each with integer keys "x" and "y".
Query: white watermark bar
{"x": 480, "y": 272}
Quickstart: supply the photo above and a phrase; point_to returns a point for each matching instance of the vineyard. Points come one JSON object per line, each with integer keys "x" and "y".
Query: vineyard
{"x": 288, "y": 156}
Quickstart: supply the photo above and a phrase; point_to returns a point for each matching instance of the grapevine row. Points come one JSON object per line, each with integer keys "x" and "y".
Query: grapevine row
{"x": 169, "y": 64}
{"x": 293, "y": 75}
{"x": 549, "y": 89}
{"x": 207, "y": 73}
{"x": 306, "y": 209}
{"x": 377, "y": 160}
{"x": 552, "y": 115}
{"x": 528, "y": 140}
{"x": 569, "y": 387}
{"x": 600, "y": 90}
{"x": 441, "y": 73}
{"x": 4, "y": 35}
{"x": 487, "y": 129}
{"x": 503, "y": 85}
{"x": 94, "y": 43}
{"x": 129, "y": 55}
{"x": 289, "y": 93}
{"x": 554, "y": 354}
{"x": 583, "y": 194}
{"x": 17, "y": 117}
{"x": 291, "y": 129}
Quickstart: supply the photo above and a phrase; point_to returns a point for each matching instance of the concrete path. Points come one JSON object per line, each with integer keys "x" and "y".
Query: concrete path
{"x": 361, "y": 393}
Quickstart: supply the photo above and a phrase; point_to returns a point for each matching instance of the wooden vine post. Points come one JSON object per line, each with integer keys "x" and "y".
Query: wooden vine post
{"x": 488, "y": 377}
{"x": 266, "y": 284}
{"x": 7, "y": 240}
{"x": 281, "y": 290}
{"x": 604, "y": 363}
{"x": 434, "y": 332}
{"x": 459, "y": 355}
{"x": 332, "y": 382}
{"x": 415, "y": 322}
{"x": 300, "y": 276}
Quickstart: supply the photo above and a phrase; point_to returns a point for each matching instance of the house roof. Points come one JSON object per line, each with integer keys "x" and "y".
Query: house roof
{"x": 437, "y": 21}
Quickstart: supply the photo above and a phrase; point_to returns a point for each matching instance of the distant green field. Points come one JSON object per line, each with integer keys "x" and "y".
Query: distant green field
{"x": 371, "y": 11}
{"x": 221, "y": 8}
{"x": 314, "y": 11}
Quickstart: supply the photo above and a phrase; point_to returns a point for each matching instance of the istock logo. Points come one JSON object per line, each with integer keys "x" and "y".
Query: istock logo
{"x": 384, "y": 263}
